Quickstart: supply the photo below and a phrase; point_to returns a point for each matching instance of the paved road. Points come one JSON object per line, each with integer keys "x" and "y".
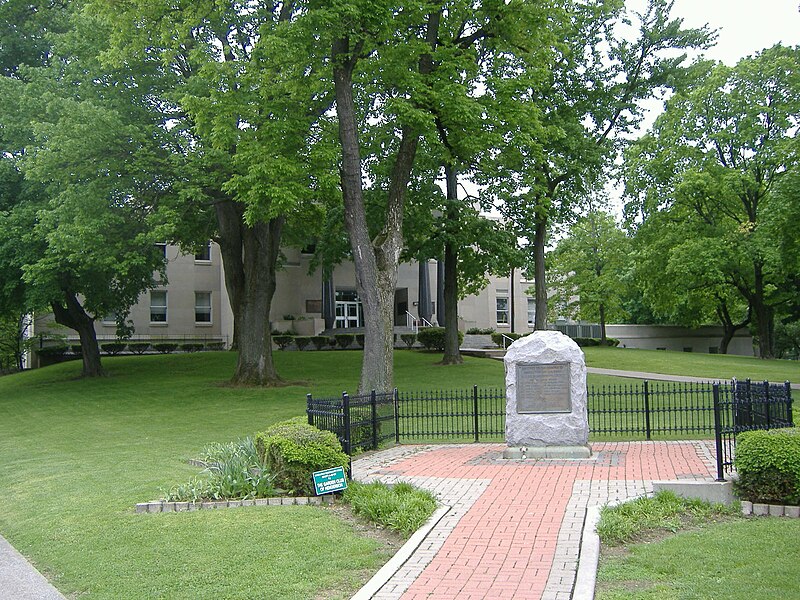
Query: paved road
{"x": 515, "y": 528}
{"x": 659, "y": 376}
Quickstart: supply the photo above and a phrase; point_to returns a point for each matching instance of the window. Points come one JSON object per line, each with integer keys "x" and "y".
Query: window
{"x": 204, "y": 254}
{"x": 202, "y": 307}
{"x": 502, "y": 310}
{"x": 531, "y": 311}
{"x": 162, "y": 248}
{"x": 158, "y": 306}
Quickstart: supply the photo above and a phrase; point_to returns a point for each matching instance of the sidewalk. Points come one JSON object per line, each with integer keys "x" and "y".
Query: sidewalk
{"x": 515, "y": 528}
{"x": 19, "y": 579}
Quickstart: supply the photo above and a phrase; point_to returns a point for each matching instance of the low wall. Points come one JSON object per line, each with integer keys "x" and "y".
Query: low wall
{"x": 704, "y": 340}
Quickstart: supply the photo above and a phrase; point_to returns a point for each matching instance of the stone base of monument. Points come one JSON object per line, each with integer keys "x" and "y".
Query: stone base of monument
{"x": 547, "y": 452}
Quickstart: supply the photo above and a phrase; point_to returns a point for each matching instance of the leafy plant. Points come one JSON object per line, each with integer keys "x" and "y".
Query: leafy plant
{"x": 215, "y": 345}
{"x": 292, "y": 450}
{"x": 360, "y": 340}
{"x": 400, "y": 507}
{"x": 302, "y": 341}
{"x": 768, "y": 465}
{"x": 283, "y": 341}
{"x": 344, "y": 340}
{"x": 233, "y": 471}
{"x": 409, "y": 339}
{"x": 138, "y": 347}
{"x": 432, "y": 338}
{"x": 320, "y": 341}
{"x": 192, "y": 346}
{"x": 113, "y": 348}
{"x": 165, "y": 347}
{"x": 480, "y": 331}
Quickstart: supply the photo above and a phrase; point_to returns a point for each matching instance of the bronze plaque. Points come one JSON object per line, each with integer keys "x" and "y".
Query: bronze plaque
{"x": 543, "y": 388}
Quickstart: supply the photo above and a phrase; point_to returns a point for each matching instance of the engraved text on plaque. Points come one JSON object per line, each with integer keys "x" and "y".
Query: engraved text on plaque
{"x": 543, "y": 388}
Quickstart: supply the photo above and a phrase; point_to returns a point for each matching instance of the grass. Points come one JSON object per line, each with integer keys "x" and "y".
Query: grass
{"x": 401, "y": 507}
{"x": 713, "y": 366}
{"x": 736, "y": 560}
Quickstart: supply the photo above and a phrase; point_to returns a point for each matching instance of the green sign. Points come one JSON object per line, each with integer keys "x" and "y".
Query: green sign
{"x": 330, "y": 480}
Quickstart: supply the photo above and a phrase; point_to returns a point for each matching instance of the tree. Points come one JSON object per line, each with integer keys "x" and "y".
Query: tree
{"x": 713, "y": 163}
{"x": 589, "y": 268}
{"x": 246, "y": 104}
{"x": 590, "y": 100}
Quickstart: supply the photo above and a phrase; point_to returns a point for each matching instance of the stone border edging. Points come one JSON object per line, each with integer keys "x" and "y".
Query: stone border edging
{"x": 385, "y": 573}
{"x": 757, "y": 509}
{"x": 588, "y": 557}
{"x": 159, "y": 506}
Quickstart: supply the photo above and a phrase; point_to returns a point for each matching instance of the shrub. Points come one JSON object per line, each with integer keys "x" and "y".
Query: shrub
{"x": 320, "y": 341}
{"x": 360, "y": 340}
{"x": 113, "y": 347}
{"x": 215, "y": 345}
{"x": 55, "y": 351}
{"x": 768, "y": 465}
{"x": 408, "y": 338}
{"x": 591, "y": 342}
{"x": 233, "y": 471}
{"x": 292, "y": 450}
{"x": 76, "y": 349}
{"x": 165, "y": 347}
{"x": 344, "y": 340}
{"x": 401, "y": 507}
{"x": 497, "y": 338}
{"x": 283, "y": 341}
{"x": 479, "y": 331}
{"x": 138, "y": 347}
{"x": 432, "y": 338}
{"x": 302, "y": 341}
{"x": 192, "y": 346}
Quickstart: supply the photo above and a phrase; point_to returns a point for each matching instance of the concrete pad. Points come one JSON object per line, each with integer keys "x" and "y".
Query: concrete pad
{"x": 719, "y": 492}
{"x": 20, "y": 580}
{"x": 545, "y": 452}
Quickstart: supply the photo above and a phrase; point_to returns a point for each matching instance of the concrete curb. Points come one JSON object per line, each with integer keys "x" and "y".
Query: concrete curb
{"x": 770, "y": 510}
{"x": 588, "y": 557}
{"x": 401, "y": 556}
{"x": 159, "y": 506}
{"x": 20, "y": 580}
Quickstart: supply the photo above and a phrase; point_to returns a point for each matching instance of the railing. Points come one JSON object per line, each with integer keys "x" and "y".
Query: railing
{"x": 505, "y": 337}
{"x": 665, "y": 410}
{"x": 414, "y": 323}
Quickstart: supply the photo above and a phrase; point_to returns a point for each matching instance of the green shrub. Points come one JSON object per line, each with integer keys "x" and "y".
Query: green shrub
{"x": 55, "y": 351}
{"x": 360, "y": 340}
{"x": 283, "y": 341}
{"x": 302, "y": 341}
{"x": 292, "y": 450}
{"x": 139, "y": 347}
{"x": 215, "y": 345}
{"x": 113, "y": 348}
{"x": 165, "y": 347}
{"x": 344, "y": 340}
{"x": 320, "y": 341}
{"x": 497, "y": 338}
{"x": 401, "y": 507}
{"x": 192, "y": 346}
{"x": 408, "y": 338}
{"x": 76, "y": 349}
{"x": 768, "y": 465}
{"x": 592, "y": 342}
{"x": 479, "y": 331}
{"x": 432, "y": 338}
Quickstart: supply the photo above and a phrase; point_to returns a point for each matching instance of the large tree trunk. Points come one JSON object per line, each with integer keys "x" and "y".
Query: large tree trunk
{"x": 452, "y": 353}
{"x": 762, "y": 314}
{"x": 71, "y": 314}
{"x": 540, "y": 284}
{"x": 376, "y": 260}
{"x": 250, "y": 257}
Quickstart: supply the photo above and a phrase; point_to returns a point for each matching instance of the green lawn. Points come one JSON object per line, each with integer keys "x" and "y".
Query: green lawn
{"x": 713, "y": 366}
{"x": 739, "y": 560}
{"x": 79, "y": 454}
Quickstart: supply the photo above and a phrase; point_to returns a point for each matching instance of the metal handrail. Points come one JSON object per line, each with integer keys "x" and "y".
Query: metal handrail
{"x": 505, "y": 337}
{"x": 411, "y": 322}
{"x": 425, "y": 322}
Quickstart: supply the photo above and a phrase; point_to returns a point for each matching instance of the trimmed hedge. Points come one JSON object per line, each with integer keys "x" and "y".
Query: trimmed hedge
{"x": 432, "y": 338}
{"x": 113, "y": 348}
{"x": 497, "y": 337}
{"x": 320, "y": 341}
{"x": 283, "y": 341}
{"x": 292, "y": 450}
{"x": 344, "y": 340}
{"x": 768, "y": 465}
{"x": 165, "y": 347}
{"x": 408, "y": 338}
{"x": 480, "y": 331}
{"x": 302, "y": 341}
{"x": 138, "y": 347}
{"x": 192, "y": 346}
{"x": 590, "y": 342}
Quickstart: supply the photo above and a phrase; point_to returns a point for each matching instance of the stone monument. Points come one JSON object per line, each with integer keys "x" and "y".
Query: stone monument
{"x": 546, "y": 398}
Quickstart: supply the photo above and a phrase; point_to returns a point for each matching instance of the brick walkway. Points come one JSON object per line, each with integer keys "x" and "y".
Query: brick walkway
{"x": 514, "y": 528}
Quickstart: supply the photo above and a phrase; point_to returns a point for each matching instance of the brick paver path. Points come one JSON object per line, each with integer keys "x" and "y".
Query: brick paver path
{"x": 514, "y": 529}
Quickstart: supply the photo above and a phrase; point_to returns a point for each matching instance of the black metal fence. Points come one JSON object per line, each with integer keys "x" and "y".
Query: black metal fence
{"x": 664, "y": 410}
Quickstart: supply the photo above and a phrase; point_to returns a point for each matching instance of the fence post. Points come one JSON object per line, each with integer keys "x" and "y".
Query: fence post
{"x": 308, "y": 409}
{"x": 767, "y": 404}
{"x": 475, "y": 409}
{"x": 374, "y": 406}
{"x": 396, "y": 417}
{"x": 788, "y": 387}
{"x": 346, "y": 422}
{"x": 647, "y": 409}
{"x": 718, "y": 432}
